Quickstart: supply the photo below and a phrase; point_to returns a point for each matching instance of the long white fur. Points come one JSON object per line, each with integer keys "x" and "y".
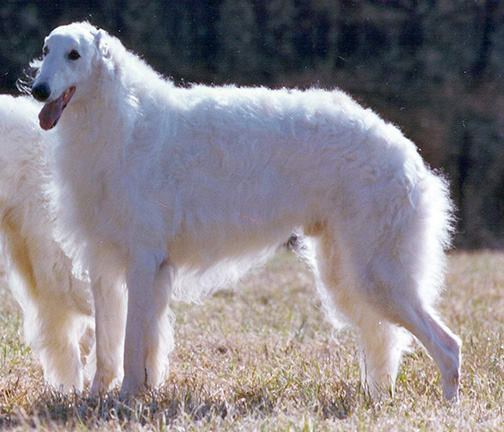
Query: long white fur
{"x": 178, "y": 191}
{"x": 57, "y": 307}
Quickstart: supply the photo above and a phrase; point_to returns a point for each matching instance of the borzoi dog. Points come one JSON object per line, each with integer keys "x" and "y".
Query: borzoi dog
{"x": 175, "y": 192}
{"x": 57, "y": 307}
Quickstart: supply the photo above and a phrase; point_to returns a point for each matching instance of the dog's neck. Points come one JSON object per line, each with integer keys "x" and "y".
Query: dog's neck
{"x": 98, "y": 110}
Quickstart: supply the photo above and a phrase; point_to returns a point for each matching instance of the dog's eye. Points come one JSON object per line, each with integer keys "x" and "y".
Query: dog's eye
{"x": 74, "y": 55}
{"x": 45, "y": 51}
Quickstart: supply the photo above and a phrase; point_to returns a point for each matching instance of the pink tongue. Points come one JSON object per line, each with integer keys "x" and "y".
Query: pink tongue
{"x": 50, "y": 114}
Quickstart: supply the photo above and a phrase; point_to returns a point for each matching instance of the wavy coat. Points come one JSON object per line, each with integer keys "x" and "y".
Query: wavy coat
{"x": 176, "y": 192}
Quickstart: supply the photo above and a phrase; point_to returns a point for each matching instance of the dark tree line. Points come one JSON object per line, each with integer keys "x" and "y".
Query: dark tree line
{"x": 435, "y": 67}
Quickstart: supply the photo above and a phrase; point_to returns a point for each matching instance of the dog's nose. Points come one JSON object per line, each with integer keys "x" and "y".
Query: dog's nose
{"x": 41, "y": 92}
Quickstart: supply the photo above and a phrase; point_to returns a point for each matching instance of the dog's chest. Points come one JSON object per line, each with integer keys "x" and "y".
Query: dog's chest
{"x": 94, "y": 187}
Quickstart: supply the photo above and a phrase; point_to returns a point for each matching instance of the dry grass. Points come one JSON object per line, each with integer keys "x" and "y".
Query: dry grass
{"x": 263, "y": 358}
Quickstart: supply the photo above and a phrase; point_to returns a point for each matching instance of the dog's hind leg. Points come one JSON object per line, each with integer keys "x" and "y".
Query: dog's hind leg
{"x": 439, "y": 341}
{"x": 382, "y": 342}
{"x": 393, "y": 286}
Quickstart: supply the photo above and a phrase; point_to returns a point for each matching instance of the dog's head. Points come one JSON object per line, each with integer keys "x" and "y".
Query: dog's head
{"x": 65, "y": 71}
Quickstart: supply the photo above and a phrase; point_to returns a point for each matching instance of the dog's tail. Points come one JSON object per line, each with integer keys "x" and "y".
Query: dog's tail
{"x": 435, "y": 226}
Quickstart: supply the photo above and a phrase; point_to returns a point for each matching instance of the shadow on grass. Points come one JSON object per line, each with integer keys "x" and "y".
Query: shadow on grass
{"x": 181, "y": 405}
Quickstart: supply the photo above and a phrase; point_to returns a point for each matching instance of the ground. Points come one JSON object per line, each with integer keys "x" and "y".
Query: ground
{"x": 264, "y": 358}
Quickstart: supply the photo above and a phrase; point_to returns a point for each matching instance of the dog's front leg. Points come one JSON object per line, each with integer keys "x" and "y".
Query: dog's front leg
{"x": 160, "y": 327}
{"x": 140, "y": 345}
{"x": 110, "y": 310}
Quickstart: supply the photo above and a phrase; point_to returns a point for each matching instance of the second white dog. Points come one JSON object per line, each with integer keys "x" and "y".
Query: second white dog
{"x": 57, "y": 307}
{"x": 177, "y": 192}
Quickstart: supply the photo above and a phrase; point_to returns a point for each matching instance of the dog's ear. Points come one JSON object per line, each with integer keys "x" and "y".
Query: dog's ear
{"x": 102, "y": 45}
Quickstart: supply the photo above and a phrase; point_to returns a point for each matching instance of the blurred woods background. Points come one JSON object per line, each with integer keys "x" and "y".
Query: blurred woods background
{"x": 434, "y": 67}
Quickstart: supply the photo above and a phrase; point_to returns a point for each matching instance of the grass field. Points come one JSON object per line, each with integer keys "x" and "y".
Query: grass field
{"x": 264, "y": 358}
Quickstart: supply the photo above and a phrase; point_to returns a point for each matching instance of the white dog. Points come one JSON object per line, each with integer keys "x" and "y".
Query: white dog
{"x": 57, "y": 307}
{"x": 178, "y": 191}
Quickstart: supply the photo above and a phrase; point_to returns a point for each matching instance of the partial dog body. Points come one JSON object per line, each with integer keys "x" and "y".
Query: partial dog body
{"x": 176, "y": 192}
{"x": 57, "y": 307}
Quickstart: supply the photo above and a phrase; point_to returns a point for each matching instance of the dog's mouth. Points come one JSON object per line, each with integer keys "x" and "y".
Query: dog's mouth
{"x": 51, "y": 113}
